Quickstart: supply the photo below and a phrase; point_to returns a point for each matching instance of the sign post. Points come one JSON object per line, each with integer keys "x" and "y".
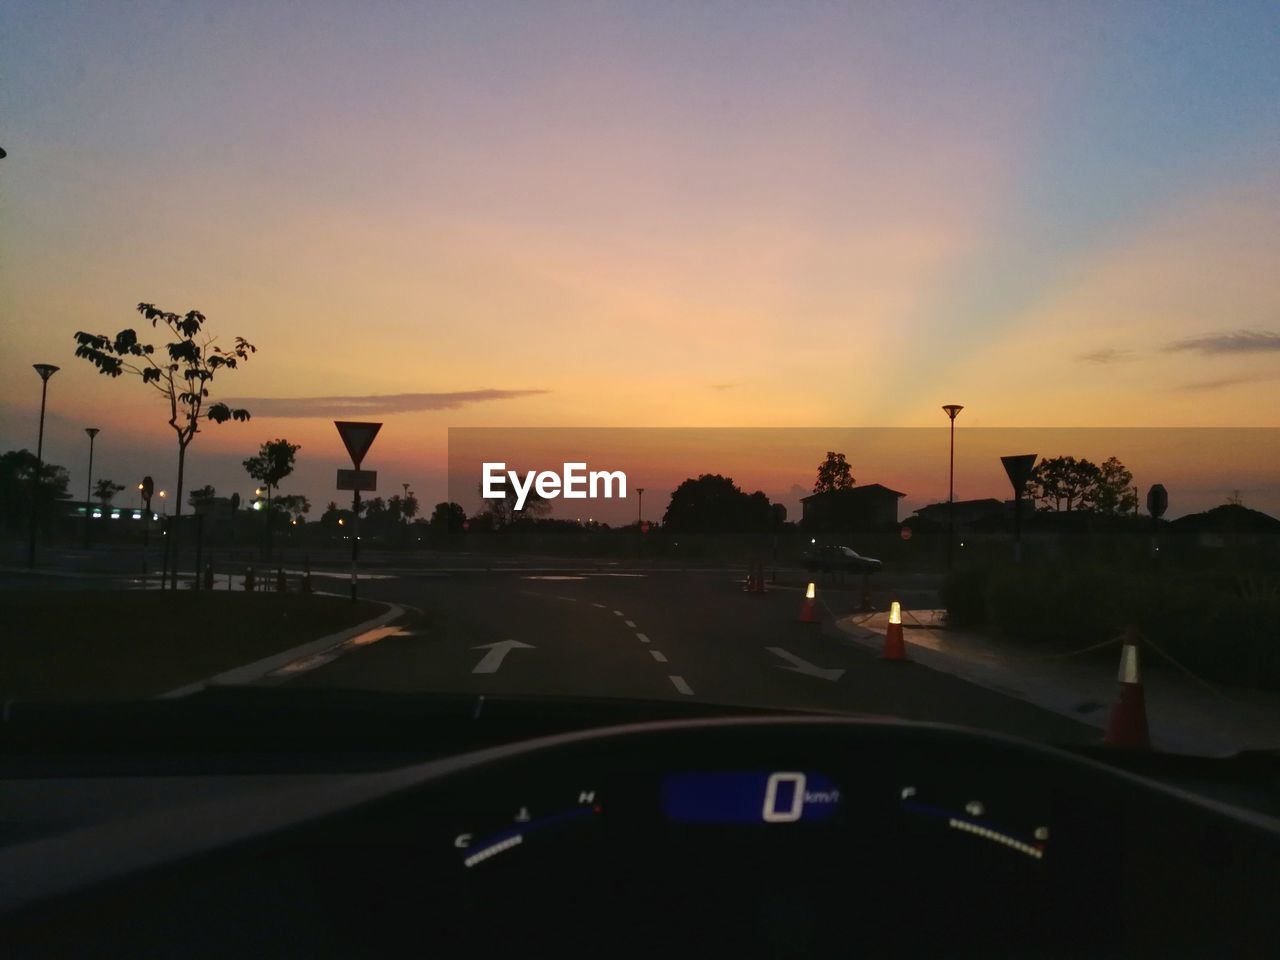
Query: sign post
{"x": 357, "y": 437}
{"x": 147, "y": 488}
{"x": 1157, "y": 504}
{"x": 1018, "y": 468}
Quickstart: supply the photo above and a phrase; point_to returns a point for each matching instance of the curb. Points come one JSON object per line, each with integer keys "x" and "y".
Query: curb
{"x": 962, "y": 670}
{"x": 260, "y": 668}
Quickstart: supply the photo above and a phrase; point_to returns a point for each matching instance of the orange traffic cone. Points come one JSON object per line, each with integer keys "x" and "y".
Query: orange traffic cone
{"x": 808, "y": 607}
{"x": 1127, "y": 726}
{"x": 895, "y": 647}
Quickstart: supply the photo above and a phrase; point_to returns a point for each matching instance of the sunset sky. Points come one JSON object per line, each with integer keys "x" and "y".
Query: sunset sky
{"x": 642, "y": 215}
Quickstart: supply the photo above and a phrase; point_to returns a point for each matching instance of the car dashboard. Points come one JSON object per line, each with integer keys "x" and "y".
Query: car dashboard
{"x": 738, "y": 836}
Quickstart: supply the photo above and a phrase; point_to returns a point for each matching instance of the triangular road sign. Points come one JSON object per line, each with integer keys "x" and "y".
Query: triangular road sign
{"x": 1019, "y": 469}
{"x": 358, "y": 437}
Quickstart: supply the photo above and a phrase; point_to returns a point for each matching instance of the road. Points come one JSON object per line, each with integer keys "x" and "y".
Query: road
{"x": 652, "y": 635}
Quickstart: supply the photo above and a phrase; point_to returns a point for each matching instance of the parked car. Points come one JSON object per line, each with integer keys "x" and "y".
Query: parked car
{"x": 821, "y": 559}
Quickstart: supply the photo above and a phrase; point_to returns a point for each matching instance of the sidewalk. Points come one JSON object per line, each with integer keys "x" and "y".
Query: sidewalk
{"x": 1184, "y": 716}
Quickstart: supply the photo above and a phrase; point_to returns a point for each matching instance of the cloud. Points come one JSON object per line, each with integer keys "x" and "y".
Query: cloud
{"x": 340, "y": 407}
{"x": 1241, "y": 341}
{"x": 1219, "y": 384}
{"x": 1105, "y": 355}
{"x": 723, "y": 386}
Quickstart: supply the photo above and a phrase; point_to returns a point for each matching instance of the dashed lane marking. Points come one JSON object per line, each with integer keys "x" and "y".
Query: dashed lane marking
{"x": 679, "y": 683}
{"x": 659, "y": 656}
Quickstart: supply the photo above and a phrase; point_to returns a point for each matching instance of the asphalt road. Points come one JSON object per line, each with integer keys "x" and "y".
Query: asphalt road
{"x": 653, "y": 635}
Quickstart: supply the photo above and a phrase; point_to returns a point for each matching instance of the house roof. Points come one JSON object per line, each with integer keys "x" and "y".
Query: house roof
{"x": 853, "y": 491}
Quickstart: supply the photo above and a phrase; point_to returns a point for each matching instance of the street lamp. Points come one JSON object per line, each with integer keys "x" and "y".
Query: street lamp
{"x": 952, "y": 410}
{"x": 88, "y": 484}
{"x": 46, "y": 370}
{"x": 640, "y": 508}
{"x": 161, "y": 495}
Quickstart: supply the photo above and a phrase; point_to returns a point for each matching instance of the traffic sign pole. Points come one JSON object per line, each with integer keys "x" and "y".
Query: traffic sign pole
{"x": 355, "y": 542}
{"x": 357, "y": 437}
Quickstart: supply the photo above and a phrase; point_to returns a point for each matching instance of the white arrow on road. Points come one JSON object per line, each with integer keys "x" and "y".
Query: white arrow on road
{"x": 804, "y": 666}
{"x": 492, "y": 660}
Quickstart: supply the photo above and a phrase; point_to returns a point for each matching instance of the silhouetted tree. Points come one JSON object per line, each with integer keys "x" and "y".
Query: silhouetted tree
{"x": 273, "y": 462}
{"x": 1114, "y": 492}
{"x": 17, "y": 469}
{"x": 201, "y": 496}
{"x": 105, "y": 490}
{"x": 181, "y": 375}
{"x": 1065, "y": 483}
{"x": 448, "y": 517}
{"x": 714, "y": 504}
{"x": 834, "y": 473}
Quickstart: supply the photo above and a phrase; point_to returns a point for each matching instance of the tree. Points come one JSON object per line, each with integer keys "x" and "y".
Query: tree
{"x": 17, "y": 470}
{"x": 1114, "y": 489}
{"x": 714, "y": 503}
{"x": 503, "y": 509}
{"x": 201, "y": 497}
{"x": 274, "y": 462}
{"x": 1081, "y": 485}
{"x": 834, "y": 473}
{"x": 293, "y": 505}
{"x": 181, "y": 375}
{"x": 105, "y": 490}
{"x": 1059, "y": 480}
{"x": 448, "y": 518}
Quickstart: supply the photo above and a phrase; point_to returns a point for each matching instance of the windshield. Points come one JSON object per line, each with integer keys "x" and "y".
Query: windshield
{"x": 898, "y": 360}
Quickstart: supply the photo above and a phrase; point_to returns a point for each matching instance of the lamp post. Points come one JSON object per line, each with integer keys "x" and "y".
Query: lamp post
{"x": 952, "y": 410}
{"x": 640, "y": 508}
{"x": 88, "y": 485}
{"x": 46, "y": 370}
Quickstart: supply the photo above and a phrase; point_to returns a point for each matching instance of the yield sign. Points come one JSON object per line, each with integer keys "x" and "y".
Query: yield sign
{"x": 358, "y": 437}
{"x": 1019, "y": 469}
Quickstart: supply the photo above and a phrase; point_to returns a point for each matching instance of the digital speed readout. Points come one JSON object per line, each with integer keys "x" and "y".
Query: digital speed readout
{"x": 748, "y": 797}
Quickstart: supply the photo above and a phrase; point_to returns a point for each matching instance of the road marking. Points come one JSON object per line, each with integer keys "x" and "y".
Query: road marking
{"x": 497, "y": 652}
{"x": 598, "y": 606}
{"x": 642, "y": 638}
{"x": 552, "y": 577}
{"x": 804, "y": 666}
{"x": 659, "y": 656}
{"x": 679, "y": 683}
{"x": 630, "y": 623}
{"x": 617, "y": 613}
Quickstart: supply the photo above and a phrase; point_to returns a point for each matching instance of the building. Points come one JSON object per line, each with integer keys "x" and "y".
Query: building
{"x": 969, "y": 512}
{"x": 867, "y": 507}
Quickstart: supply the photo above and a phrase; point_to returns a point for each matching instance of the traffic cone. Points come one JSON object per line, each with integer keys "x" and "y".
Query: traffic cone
{"x": 895, "y": 647}
{"x": 808, "y": 607}
{"x": 1127, "y": 726}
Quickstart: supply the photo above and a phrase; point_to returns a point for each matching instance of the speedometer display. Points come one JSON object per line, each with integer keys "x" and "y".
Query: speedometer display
{"x": 734, "y": 797}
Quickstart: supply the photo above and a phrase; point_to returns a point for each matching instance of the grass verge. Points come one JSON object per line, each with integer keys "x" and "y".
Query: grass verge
{"x": 109, "y": 645}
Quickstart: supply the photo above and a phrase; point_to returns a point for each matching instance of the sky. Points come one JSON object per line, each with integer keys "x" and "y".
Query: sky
{"x": 614, "y": 215}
